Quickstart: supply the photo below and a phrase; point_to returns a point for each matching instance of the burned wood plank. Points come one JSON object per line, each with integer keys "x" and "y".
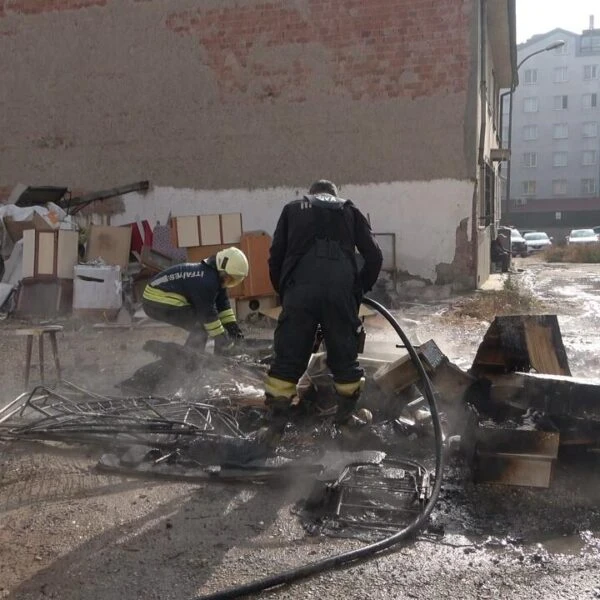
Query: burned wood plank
{"x": 522, "y": 343}
{"x": 525, "y": 442}
{"x": 561, "y": 395}
{"x": 513, "y": 470}
{"x": 515, "y": 456}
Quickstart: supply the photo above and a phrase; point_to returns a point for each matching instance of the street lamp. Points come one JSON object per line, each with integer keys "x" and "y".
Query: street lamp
{"x": 552, "y": 46}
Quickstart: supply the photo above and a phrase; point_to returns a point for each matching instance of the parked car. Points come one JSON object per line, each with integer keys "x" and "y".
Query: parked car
{"x": 583, "y": 236}
{"x": 518, "y": 247}
{"x": 536, "y": 241}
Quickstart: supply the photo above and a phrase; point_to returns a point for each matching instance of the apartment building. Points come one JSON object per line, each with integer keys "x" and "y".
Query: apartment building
{"x": 555, "y": 159}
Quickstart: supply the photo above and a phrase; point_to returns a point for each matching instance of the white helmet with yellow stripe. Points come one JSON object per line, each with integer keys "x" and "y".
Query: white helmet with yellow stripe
{"x": 233, "y": 264}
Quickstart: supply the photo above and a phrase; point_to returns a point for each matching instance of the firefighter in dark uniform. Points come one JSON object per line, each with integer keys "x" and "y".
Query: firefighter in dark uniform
{"x": 193, "y": 296}
{"x": 314, "y": 270}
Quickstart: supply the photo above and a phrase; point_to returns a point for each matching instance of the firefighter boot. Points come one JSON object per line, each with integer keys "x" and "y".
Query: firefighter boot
{"x": 278, "y": 414}
{"x": 347, "y": 399}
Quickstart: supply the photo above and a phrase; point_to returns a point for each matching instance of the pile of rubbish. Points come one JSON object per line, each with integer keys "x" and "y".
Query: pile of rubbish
{"x": 513, "y": 410}
{"x": 53, "y": 262}
{"x": 507, "y": 417}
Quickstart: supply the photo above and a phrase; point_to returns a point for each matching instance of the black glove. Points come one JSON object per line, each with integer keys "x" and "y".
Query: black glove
{"x": 223, "y": 344}
{"x": 234, "y": 331}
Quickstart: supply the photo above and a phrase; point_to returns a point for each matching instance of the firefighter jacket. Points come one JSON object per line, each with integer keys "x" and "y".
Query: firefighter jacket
{"x": 197, "y": 285}
{"x": 304, "y": 223}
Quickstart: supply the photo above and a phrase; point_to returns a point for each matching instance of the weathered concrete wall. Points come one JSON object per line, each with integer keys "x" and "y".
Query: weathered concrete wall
{"x": 232, "y": 94}
{"x": 424, "y": 238}
{"x": 240, "y": 104}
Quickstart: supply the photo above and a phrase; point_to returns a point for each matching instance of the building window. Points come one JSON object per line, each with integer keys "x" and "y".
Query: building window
{"x": 588, "y": 186}
{"x": 529, "y": 188}
{"x": 590, "y": 43}
{"x": 530, "y": 105}
{"x": 589, "y": 157}
{"x": 530, "y": 159}
{"x": 560, "y": 159}
{"x": 590, "y": 72}
{"x": 561, "y": 74}
{"x": 589, "y": 101}
{"x": 490, "y": 188}
{"x": 561, "y": 102}
{"x": 530, "y": 76}
{"x": 530, "y": 132}
{"x": 589, "y": 130}
{"x": 561, "y": 131}
{"x": 487, "y": 198}
{"x": 559, "y": 187}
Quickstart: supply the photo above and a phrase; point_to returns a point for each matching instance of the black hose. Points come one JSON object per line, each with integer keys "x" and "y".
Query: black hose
{"x": 366, "y": 551}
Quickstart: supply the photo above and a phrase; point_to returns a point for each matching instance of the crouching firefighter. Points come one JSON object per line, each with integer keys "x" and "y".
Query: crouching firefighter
{"x": 313, "y": 267}
{"x": 193, "y": 296}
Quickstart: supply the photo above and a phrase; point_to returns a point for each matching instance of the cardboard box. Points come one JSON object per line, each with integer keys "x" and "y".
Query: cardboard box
{"x": 15, "y": 229}
{"x": 111, "y": 244}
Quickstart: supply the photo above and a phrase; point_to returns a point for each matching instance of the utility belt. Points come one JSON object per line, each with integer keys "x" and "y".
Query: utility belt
{"x": 161, "y": 297}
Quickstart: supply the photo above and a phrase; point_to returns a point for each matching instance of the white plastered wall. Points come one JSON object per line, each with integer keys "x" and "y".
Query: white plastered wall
{"x": 424, "y": 215}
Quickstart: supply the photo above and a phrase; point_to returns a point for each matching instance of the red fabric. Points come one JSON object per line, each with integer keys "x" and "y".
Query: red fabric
{"x": 137, "y": 239}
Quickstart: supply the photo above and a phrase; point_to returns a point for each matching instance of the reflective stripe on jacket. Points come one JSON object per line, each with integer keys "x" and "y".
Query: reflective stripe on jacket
{"x": 161, "y": 297}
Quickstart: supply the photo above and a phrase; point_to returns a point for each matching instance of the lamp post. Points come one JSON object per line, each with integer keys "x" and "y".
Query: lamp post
{"x": 552, "y": 46}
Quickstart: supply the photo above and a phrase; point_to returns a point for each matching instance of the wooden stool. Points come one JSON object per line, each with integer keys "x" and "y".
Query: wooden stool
{"x": 50, "y": 330}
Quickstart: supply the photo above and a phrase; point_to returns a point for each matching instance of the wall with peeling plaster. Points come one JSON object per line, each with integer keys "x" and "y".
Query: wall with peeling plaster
{"x": 249, "y": 96}
{"x": 420, "y": 244}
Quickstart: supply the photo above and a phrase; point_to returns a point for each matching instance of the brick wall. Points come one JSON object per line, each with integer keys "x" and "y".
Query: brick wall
{"x": 242, "y": 93}
{"x": 376, "y": 49}
{"x": 33, "y": 7}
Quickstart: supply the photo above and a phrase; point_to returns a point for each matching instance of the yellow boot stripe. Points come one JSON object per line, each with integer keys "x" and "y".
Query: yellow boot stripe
{"x": 227, "y": 316}
{"x": 278, "y": 388}
{"x": 214, "y": 328}
{"x": 349, "y": 389}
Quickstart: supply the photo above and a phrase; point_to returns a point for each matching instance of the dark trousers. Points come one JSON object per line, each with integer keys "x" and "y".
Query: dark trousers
{"x": 320, "y": 291}
{"x": 179, "y": 316}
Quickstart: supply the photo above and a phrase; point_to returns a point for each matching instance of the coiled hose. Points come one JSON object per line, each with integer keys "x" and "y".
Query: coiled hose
{"x": 376, "y": 547}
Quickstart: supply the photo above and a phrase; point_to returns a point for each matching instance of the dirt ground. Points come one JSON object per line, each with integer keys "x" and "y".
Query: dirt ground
{"x": 68, "y": 531}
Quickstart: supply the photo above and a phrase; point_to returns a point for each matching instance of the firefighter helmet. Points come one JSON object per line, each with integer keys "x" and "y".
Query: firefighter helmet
{"x": 232, "y": 262}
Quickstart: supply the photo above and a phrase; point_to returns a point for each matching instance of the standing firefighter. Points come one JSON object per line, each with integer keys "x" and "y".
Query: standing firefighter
{"x": 194, "y": 296}
{"x": 313, "y": 268}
